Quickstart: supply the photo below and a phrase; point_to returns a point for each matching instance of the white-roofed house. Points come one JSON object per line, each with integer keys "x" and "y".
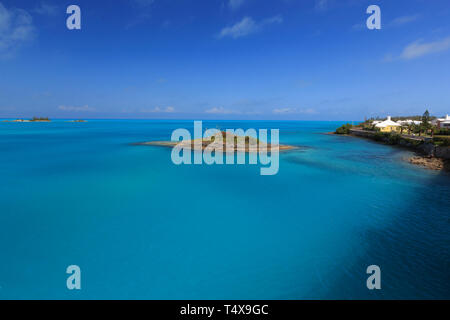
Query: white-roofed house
{"x": 403, "y": 122}
{"x": 388, "y": 125}
{"x": 442, "y": 123}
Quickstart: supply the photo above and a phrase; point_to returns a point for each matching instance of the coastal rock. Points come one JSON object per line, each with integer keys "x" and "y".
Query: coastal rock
{"x": 443, "y": 152}
{"x": 429, "y": 163}
{"x": 427, "y": 149}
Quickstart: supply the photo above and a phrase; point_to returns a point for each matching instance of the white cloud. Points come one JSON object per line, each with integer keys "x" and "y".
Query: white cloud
{"x": 46, "y": 9}
{"x": 221, "y": 110}
{"x": 275, "y": 19}
{"x": 76, "y": 109}
{"x": 404, "y": 20}
{"x": 294, "y": 111}
{"x": 159, "y": 110}
{"x": 397, "y": 22}
{"x": 235, "y": 4}
{"x": 419, "y": 48}
{"x": 247, "y": 26}
{"x": 16, "y": 29}
{"x": 282, "y": 110}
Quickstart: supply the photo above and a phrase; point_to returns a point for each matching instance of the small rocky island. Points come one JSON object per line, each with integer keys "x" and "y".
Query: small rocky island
{"x": 40, "y": 119}
{"x": 34, "y": 119}
{"x": 220, "y": 141}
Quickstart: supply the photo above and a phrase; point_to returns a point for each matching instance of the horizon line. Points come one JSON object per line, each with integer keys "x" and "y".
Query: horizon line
{"x": 182, "y": 119}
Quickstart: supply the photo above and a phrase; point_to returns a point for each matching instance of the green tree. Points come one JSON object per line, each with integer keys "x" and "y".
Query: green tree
{"x": 426, "y": 124}
{"x": 404, "y": 126}
{"x": 410, "y": 128}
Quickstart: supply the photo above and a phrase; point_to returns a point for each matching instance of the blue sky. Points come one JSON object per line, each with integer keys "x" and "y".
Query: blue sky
{"x": 224, "y": 59}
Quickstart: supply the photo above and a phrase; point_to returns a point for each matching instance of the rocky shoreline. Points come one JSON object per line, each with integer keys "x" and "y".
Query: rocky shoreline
{"x": 430, "y": 163}
{"x": 427, "y": 155}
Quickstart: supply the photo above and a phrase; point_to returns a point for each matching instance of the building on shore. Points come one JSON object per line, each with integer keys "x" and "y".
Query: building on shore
{"x": 406, "y": 122}
{"x": 442, "y": 123}
{"x": 388, "y": 125}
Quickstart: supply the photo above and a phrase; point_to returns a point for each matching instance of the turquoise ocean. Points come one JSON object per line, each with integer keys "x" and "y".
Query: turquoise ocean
{"x": 141, "y": 227}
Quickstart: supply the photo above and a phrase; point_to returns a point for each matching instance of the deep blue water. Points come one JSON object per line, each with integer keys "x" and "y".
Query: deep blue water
{"x": 142, "y": 227}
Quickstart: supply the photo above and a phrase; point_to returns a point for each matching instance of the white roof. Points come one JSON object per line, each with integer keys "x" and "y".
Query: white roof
{"x": 409, "y": 121}
{"x": 387, "y": 123}
{"x": 447, "y": 118}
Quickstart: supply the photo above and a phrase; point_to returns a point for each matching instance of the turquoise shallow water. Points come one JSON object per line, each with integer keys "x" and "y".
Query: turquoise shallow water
{"x": 141, "y": 227}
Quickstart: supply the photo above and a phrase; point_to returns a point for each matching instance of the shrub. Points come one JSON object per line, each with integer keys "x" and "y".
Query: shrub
{"x": 379, "y": 136}
{"x": 345, "y": 129}
{"x": 441, "y": 141}
{"x": 442, "y": 132}
{"x": 394, "y": 138}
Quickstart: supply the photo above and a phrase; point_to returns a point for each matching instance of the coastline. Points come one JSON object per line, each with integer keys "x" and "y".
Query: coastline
{"x": 426, "y": 155}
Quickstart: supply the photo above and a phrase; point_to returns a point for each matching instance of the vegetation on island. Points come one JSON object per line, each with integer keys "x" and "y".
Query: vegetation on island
{"x": 345, "y": 129}
{"x": 442, "y": 141}
{"x": 34, "y": 119}
{"x": 402, "y": 118}
{"x": 394, "y": 138}
{"x": 40, "y": 119}
{"x": 391, "y": 138}
{"x": 79, "y": 120}
{"x": 247, "y": 139}
{"x": 229, "y": 142}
